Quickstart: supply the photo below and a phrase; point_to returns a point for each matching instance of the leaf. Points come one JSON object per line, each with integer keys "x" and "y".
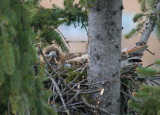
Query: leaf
{"x": 16, "y": 85}
{"x": 146, "y": 71}
{"x": 2, "y": 78}
{"x": 137, "y": 17}
{"x": 134, "y": 30}
{"x": 158, "y": 62}
{"x": 14, "y": 103}
{"x": 8, "y": 58}
{"x": 143, "y": 5}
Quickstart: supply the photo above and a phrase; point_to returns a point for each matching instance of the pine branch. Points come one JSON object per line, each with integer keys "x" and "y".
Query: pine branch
{"x": 150, "y": 26}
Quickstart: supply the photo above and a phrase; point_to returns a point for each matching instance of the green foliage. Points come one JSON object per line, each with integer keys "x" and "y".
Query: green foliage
{"x": 148, "y": 7}
{"x": 158, "y": 27}
{"x": 149, "y": 101}
{"x": 91, "y": 3}
{"x": 48, "y": 35}
{"x": 147, "y": 4}
{"x": 7, "y": 58}
{"x": 136, "y": 17}
{"x": 72, "y": 75}
{"x": 143, "y": 5}
{"x": 75, "y": 14}
{"x": 134, "y": 30}
{"x": 157, "y": 61}
{"x": 146, "y": 71}
{"x": 47, "y": 21}
{"x": 20, "y": 91}
{"x": 139, "y": 1}
{"x": 147, "y": 98}
{"x": 83, "y": 3}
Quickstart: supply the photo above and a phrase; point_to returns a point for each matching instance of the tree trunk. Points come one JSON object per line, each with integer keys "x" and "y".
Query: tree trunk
{"x": 105, "y": 25}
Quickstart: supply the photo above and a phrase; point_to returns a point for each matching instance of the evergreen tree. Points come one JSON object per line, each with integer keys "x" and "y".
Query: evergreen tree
{"x": 148, "y": 101}
{"x": 20, "y": 91}
{"x": 104, "y": 25}
{"x": 147, "y": 97}
{"x": 148, "y": 12}
{"x": 47, "y": 21}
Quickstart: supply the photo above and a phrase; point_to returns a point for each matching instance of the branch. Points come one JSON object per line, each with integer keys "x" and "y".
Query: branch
{"x": 130, "y": 97}
{"x": 94, "y": 107}
{"x": 149, "y": 28}
{"x": 63, "y": 36}
{"x": 74, "y": 97}
{"x": 59, "y": 93}
{"x": 48, "y": 64}
{"x": 88, "y": 92}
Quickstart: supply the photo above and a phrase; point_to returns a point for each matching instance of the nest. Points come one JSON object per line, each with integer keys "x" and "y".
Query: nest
{"x": 70, "y": 93}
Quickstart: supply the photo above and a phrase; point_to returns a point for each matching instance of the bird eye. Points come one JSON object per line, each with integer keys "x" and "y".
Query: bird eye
{"x": 47, "y": 53}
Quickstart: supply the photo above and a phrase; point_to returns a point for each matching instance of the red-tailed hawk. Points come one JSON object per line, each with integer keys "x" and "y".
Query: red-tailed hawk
{"x": 56, "y": 56}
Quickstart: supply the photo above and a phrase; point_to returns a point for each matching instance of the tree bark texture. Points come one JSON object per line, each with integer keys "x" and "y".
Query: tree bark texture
{"x": 105, "y": 27}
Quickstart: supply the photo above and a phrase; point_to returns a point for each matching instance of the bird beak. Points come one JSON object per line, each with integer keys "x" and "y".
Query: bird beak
{"x": 55, "y": 60}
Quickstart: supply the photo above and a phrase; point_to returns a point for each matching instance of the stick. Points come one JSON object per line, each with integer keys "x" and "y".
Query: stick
{"x": 48, "y": 64}
{"x": 63, "y": 36}
{"x": 94, "y": 107}
{"x": 59, "y": 93}
{"x": 74, "y": 97}
{"x": 130, "y": 97}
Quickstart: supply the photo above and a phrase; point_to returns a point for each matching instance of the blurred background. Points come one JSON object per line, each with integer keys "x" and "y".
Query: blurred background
{"x": 78, "y": 36}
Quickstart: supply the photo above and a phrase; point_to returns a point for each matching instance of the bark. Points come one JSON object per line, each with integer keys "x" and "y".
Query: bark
{"x": 150, "y": 26}
{"x": 105, "y": 24}
{"x": 147, "y": 32}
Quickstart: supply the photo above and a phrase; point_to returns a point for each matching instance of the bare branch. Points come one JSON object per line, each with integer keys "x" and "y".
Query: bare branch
{"x": 59, "y": 93}
{"x": 94, "y": 107}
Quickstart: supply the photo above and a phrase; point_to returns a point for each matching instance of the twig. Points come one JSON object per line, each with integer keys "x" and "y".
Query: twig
{"x": 150, "y": 65}
{"x": 63, "y": 36}
{"x": 155, "y": 82}
{"x": 126, "y": 86}
{"x": 130, "y": 97}
{"x": 73, "y": 80}
{"x": 9, "y": 109}
{"x": 94, "y": 107}
{"x": 59, "y": 93}
{"x": 74, "y": 97}
{"x": 48, "y": 64}
{"x": 71, "y": 105}
{"x": 133, "y": 81}
{"x": 58, "y": 68}
{"x": 78, "y": 83}
{"x": 88, "y": 92}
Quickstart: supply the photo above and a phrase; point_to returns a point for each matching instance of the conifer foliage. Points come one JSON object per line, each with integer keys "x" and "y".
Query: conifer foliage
{"x": 20, "y": 91}
{"x": 148, "y": 11}
{"x": 146, "y": 100}
{"x": 47, "y": 21}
